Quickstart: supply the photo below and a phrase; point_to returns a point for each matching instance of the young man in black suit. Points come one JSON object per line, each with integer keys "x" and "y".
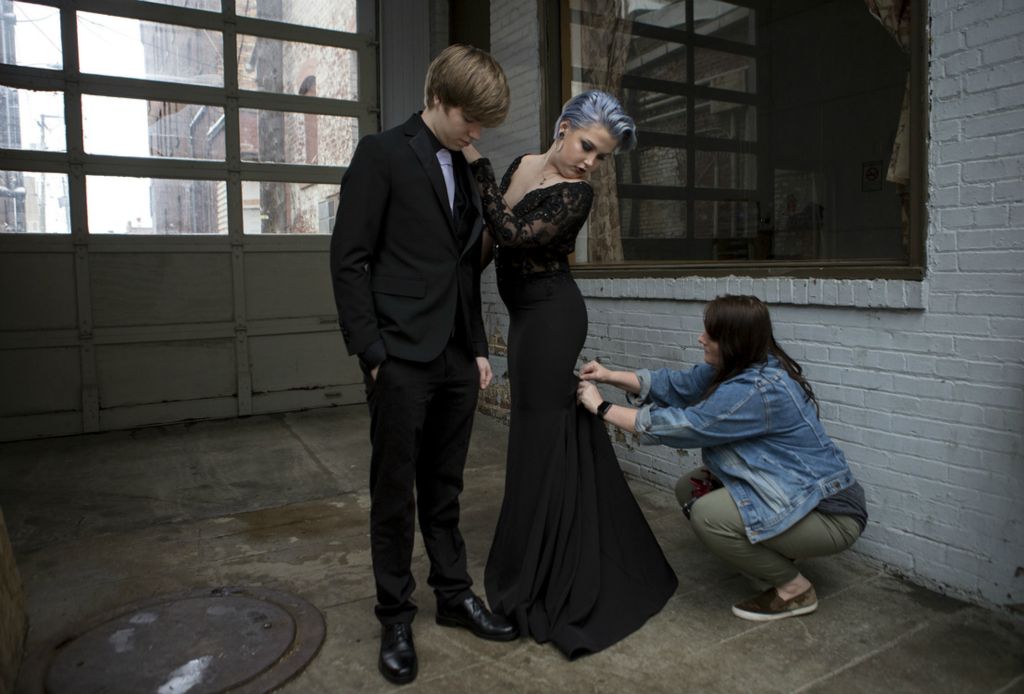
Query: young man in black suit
{"x": 405, "y": 262}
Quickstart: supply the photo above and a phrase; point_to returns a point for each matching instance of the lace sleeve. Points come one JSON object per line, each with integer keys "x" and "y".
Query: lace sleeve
{"x": 567, "y": 204}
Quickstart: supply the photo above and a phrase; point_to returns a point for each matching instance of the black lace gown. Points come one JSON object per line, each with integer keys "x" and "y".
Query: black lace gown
{"x": 573, "y": 560}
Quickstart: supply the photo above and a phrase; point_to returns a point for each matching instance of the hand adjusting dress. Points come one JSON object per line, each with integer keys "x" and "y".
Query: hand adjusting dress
{"x": 573, "y": 561}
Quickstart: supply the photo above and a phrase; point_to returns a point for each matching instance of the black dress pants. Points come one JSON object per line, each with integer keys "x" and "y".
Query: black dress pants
{"x": 421, "y": 418}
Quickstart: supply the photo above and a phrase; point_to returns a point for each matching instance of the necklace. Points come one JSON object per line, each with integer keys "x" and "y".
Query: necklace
{"x": 545, "y": 177}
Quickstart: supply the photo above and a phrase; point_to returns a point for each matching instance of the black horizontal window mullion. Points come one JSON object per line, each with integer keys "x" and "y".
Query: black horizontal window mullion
{"x": 38, "y": 79}
{"x": 635, "y": 191}
{"x": 152, "y": 90}
{"x": 155, "y": 167}
{"x": 647, "y": 138}
{"x": 291, "y": 173}
{"x": 34, "y": 160}
{"x": 725, "y": 194}
{"x": 651, "y": 31}
{"x": 302, "y": 104}
{"x": 717, "y": 144}
{"x": 651, "y": 84}
{"x": 671, "y": 35}
{"x": 724, "y": 45}
{"x": 726, "y": 95}
{"x": 652, "y": 65}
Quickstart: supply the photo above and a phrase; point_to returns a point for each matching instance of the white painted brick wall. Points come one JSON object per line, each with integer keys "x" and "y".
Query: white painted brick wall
{"x": 514, "y": 31}
{"x": 921, "y": 383}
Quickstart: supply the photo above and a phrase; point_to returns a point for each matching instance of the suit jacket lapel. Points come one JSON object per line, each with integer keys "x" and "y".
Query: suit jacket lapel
{"x": 421, "y": 145}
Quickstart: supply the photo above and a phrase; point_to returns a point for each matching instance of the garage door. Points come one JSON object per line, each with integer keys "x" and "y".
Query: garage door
{"x": 168, "y": 189}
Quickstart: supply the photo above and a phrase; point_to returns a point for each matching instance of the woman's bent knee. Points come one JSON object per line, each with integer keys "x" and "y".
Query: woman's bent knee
{"x": 715, "y": 515}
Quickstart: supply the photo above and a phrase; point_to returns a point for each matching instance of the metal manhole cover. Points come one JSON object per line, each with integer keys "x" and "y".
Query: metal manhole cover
{"x": 238, "y": 639}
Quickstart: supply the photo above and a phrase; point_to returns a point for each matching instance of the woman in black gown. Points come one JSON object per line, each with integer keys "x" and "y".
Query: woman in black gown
{"x": 573, "y": 561}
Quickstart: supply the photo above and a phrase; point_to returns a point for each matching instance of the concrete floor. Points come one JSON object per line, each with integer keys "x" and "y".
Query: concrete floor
{"x": 280, "y": 501}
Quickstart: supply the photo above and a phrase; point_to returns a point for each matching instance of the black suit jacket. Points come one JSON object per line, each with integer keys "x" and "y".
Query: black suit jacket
{"x": 398, "y": 268}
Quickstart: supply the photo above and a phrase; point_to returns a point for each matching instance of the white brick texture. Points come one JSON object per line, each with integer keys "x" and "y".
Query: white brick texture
{"x": 920, "y": 383}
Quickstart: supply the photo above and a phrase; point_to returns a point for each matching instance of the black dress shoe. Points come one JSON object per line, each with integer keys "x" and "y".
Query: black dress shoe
{"x": 397, "y": 654}
{"x": 471, "y": 614}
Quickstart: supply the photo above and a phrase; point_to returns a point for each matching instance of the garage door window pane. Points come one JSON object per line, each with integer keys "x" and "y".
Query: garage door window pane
{"x": 163, "y": 206}
{"x": 274, "y": 207}
{"x": 297, "y": 138}
{"x": 36, "y": 120}
{"x": 152, "y": 128}
{"x": 149, "y": 50}
{"x": 34, "y": 202}
{"x": 339, "y": 15}
{"x": 36, "y": 33}
{"x": 285, "y": 67}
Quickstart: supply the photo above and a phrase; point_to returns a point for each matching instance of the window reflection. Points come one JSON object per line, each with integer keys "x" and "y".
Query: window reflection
{"x": 736, "y": 162}
{"x": 655, "y": 166}
{"x": 650, "y": 228}
{"x": 726, "y": 120}
{"x": 731, "y": 170}
{"x": 724, "y": 20}
{"x": 721, "y": 70}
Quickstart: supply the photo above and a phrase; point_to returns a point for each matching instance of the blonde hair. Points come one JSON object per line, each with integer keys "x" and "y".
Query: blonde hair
{"x": 468, "y": 78}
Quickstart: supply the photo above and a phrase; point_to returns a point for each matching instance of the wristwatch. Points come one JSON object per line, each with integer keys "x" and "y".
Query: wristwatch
{"x": 603, "y": 408}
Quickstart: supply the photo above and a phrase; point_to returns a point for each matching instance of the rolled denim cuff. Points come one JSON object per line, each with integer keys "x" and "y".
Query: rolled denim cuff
{"x": 643, "y": 425}
{"x": 644, "y": 376}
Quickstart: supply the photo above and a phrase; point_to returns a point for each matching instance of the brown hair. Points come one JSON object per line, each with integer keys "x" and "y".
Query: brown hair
{"x": 471, "y": 79}
{"x": 743, "y": 330}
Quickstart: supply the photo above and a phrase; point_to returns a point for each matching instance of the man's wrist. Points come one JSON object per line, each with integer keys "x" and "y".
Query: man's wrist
{"x": 603, "y": 408}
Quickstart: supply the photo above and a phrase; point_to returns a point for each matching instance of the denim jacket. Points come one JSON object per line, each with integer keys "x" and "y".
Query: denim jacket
{"x": 760, "y": 436}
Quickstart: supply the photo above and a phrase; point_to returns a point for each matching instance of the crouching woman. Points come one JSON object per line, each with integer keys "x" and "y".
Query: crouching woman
{"x": 787, "y": 492}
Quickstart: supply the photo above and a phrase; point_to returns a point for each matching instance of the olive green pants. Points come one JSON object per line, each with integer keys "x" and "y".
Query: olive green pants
{"x": 717, "y": 523}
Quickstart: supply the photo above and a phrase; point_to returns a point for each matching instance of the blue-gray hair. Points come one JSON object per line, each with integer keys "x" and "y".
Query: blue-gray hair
{"x": 595, "y": 107}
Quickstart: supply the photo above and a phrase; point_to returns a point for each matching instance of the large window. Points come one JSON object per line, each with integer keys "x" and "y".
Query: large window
{"x": 774, "y": 136}
{"x": 181, "y": 116}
